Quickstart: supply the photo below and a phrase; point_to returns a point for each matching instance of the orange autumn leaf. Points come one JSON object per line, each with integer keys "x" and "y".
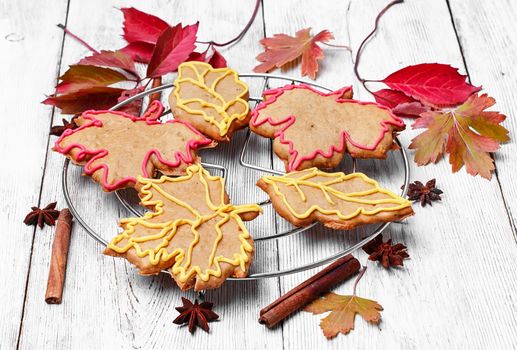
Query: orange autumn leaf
{"x": 282, "y": 49}
{"x": 468, "y": 133}
{"x": 343, "y": 309}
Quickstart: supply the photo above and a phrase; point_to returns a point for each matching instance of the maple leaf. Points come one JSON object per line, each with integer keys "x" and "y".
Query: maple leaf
{"x": 139, "y": 51}
{"x": 282, "y": 49}
{"x": 434, "y": 84}
{"x": 467, "y": 133}
{"x": 173, "y": 47}
{"x": 142, "y": 27}
{"x": 100, "y": 97}
{"x": 191, "y": 229}
{"x": 338, "y": 128}
{"x": 102, "y": 145}
{"x": 79, "y": 77}
{"x": 115, "y": 59}
{"x": 401, "y": 105}
{"x": 343, "y": 309}
{"x": 339, "y": 201}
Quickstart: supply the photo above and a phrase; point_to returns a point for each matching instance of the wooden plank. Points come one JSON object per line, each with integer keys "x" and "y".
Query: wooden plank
{"x": 453, "y": 281}
{"x": 30, "y": 37}
{"x": 489, "y": 47}
{"x": 106, "y": 304}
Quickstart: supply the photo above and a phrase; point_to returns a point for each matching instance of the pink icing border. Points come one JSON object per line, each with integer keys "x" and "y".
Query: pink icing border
{"x": 150, "y": 117}
{"x": 295, "y": 162}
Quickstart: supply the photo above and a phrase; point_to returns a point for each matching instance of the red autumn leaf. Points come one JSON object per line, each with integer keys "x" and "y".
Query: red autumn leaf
{"x": 433, "y": 84}
{"x": 79, "y": 77}
{"x": 139, "y": 51}
{"x": 141, "y": 26}
{"x": 282, "y": 49}
{"x": 467, "y": 133}
{"x": 115, "y": 59}
{"x": 217, "y": 60}
{"x": 400, "y": 104}
{"x": 197, "y": 56}
{"x": 173, "y": 47}
{"x": 100, "y": 97}
{"x": 133, "y": 107}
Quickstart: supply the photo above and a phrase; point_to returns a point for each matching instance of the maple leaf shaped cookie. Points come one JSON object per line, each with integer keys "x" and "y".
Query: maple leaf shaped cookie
{"x": 213, "y": 100}
{"x": 337, "y": 200}
{"x": 312, "y": 128}
{"x": 192, "y": 230}
{"x": 116, "y": 147}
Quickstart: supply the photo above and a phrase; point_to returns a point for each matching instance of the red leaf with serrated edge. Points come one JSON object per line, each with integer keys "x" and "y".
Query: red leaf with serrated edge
{"x": 433, "y": 84}
{"x": 115, "y": 59}
{"x": 282, "y": 49}
{"x": 82, "y": 100}
{"x": 141, "y": 26}
{"x": 133, "y": 107}
{"x": 79, "y": 77}
{"x": 139, "y": 51}
{"x": 467, "y": 133}
{"x": 400, "y": 104}
{"x": 217, "y": 60}
{"x": 197, "y": 56}
{"x": 173, "y": 47}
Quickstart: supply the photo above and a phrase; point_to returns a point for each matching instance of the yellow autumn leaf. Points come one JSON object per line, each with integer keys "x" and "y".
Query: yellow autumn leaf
{"x": 191, "y": 230}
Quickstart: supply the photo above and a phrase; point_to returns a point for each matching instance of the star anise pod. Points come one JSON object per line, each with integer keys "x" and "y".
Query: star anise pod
{"x": 58, "y": 130}
{"x": 425, "y": 194}
{"x": 386, "y": 253}
{"x": 47, "y": 215}
{"x": 195, "y": 314}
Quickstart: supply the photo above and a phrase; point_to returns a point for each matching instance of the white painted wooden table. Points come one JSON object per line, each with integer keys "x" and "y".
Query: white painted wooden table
{"x": 458, "y": 289}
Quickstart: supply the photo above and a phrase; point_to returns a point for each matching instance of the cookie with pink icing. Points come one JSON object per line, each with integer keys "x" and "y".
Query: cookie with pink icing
{"x": 315, "y": 129}
{"x": 115, "y": 148}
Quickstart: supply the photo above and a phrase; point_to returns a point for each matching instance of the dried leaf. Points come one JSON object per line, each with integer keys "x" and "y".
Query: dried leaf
{"x": 139, "y": 51}
{"x": 141, "y": 26}
{"x": 173, "y": 47}
{"x": 343, "y": 309}
{"x": 79, "y": 77}
{"x": 432, "y": 83}
{"x": 282, "y": 49}
{"x": 467, "y": 133}
{"x": 401, "y": 104}
{"x": 114, "y": 59}
{"x": 84, "y": 99}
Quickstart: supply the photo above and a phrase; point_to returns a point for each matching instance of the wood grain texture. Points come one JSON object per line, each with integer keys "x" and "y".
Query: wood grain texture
{"x": 454, "y": 277}
{"x": 30, "y": 45}
{"x": 105, "y": 303}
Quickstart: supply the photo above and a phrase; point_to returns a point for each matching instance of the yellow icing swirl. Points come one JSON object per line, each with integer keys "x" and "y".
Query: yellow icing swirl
{"x": 221, "y": 108}
{"x": 168, "y": 229}
{"x": 290, "y": 179}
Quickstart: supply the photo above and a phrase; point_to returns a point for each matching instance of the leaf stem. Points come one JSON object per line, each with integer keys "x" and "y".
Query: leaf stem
{"x": 346, "y": 47}
{"x": 77, "y": 38}
{"x": 366, "y": 39}
{"x": 241, "y": 34}
{"x": 361, "y": 274}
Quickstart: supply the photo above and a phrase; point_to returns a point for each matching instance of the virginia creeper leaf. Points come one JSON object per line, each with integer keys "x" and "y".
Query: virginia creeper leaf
{"x": 434, "y": 84}
{"x": 173, "y": 47}
{"x": 217, "y": 60}
{"x": 100, "y": 97}
{"x": 467, "y": 133}
{"x": 79, "y": 77}
{"x": 343, "y": 309}
{"x": 133, "y": 107}
{"x": 282, "y": 49}
{"x": 115, "y": 59}
{"x": 139, "y": 51}
{"x": 141, "y": 26}
{"x": 400, "y": 104}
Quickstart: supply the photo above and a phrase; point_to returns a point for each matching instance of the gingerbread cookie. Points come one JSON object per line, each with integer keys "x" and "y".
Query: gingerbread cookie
{"x": 312, "y": 128}
{"x": 192, "y": 230}
{"x": 213, "y": 100}
{"x": 116, "y": 147}
{"x": 339, "y": 201}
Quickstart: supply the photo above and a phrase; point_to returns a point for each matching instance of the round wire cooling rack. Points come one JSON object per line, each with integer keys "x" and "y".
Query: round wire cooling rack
{"x": 138, "y": 211}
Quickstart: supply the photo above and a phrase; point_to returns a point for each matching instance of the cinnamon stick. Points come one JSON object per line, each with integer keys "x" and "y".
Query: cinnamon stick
{"x": 56, "y": 276}
{"x": 309, "y": 290}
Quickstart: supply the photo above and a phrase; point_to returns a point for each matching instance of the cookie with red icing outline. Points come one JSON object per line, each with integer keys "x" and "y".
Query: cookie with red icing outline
{"x": 115, "y": 148}
{"x": 315, "y": 129}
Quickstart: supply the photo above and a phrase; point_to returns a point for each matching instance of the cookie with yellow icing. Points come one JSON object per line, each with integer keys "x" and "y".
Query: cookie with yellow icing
{"x": 191, "y": 229}
{"x": 213, "y": 100}
{"x": 337, "y": 200}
